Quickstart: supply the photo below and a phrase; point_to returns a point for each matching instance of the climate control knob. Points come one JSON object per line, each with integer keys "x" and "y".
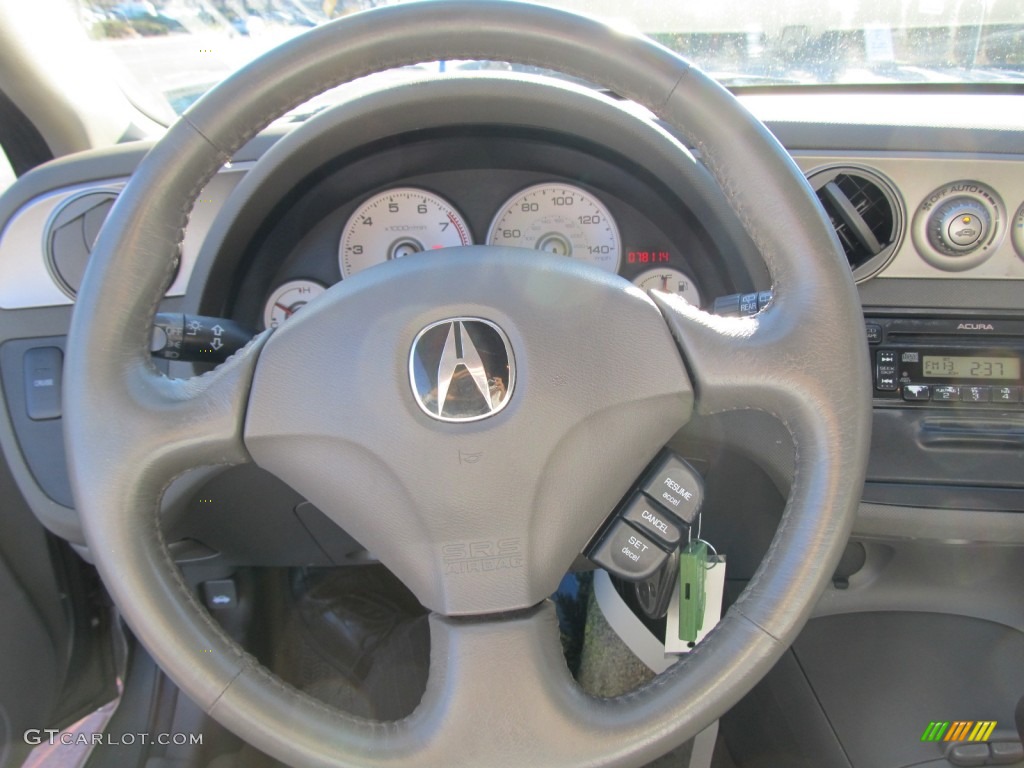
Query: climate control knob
{"x": 959, "y": 226}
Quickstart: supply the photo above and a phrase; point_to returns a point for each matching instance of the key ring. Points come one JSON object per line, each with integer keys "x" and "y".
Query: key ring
{"x": 710, "y": 546}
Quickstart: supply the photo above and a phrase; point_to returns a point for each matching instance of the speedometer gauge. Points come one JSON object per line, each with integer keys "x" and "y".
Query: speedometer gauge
{"x": 396, "y": 223}
{"x": 560, "y": 219}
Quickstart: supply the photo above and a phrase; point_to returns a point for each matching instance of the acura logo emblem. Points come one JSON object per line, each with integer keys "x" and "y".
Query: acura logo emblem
{"x": 461, "y": 369}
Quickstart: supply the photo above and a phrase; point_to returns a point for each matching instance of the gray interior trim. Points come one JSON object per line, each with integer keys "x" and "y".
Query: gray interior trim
{"x": 896, "y": 138}
{"x": 939, "y": 525}
{"x": 919, "y": 576}
{"x": 26, "y": 281}
{"x": 959, "y": 497}
{"x": 941, "y": 296}
{"x": 918, "y": 177}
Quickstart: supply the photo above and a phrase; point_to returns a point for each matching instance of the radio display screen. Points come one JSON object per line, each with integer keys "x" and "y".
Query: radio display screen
{"x": 956, "y": 367}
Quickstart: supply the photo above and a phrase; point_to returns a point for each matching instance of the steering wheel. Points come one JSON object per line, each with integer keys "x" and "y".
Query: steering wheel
{"x": 604, "y": 376}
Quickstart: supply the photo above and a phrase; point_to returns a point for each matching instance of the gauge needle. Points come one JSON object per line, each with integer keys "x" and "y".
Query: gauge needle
{"x": 664, "y": 283}
{"x": 287, "y": 310}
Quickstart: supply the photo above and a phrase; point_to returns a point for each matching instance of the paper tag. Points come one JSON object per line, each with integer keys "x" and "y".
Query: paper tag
{"x": 714, "y": 587}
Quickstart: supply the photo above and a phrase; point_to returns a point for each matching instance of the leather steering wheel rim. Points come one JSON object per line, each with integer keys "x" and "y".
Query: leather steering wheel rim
{"x": 130, "y": 431}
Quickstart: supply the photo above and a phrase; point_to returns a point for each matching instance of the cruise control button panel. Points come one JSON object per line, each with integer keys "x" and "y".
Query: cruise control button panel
{"x": 647, "y": 529}
{"x": 628, "y": 553}
{"x": 676, "y": 486}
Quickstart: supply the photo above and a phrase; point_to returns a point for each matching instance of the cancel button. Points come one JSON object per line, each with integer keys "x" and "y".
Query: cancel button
{"x": 647, "y": 516}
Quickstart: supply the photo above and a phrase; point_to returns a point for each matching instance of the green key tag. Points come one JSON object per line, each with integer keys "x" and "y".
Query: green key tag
{"x": 693, "y": 564}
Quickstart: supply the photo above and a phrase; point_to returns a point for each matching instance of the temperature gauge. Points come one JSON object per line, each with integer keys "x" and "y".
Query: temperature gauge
{"x": 669, "y": 281}
{"x": 287, "y": 299}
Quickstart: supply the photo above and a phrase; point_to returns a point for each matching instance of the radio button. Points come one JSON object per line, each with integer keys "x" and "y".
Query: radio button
{"x": 874, "y": 332}
{"x": 946, "y": 394}
{"x": 916, "y": 392}
{"x": 976, "y": 394}
{"x": 885, "y": 371}
{"x": 1006, "y": 394}
{"x": 886, "y": 384}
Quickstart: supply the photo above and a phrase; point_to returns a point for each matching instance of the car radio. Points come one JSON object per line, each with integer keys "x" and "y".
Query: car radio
{"x": 947, "y": 361}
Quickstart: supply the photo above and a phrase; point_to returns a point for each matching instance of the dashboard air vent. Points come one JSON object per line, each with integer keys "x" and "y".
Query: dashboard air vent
{"x": 865, "y": 212}
{"x": 71, "y": 232}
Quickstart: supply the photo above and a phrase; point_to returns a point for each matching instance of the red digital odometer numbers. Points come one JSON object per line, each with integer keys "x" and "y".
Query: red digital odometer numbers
{"x": 647, "y": 257}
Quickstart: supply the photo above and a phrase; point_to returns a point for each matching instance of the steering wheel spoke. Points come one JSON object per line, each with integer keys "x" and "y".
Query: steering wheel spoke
{"x": 754, "y": 362}
{"x": 761, "y": 362}
{"x": 171, "y": 425}
{"x": 509, "y": 670}
{"x": 152, "y": 428}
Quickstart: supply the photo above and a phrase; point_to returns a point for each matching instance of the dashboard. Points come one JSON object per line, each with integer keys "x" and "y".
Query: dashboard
{"x": 925, "y": 193}
{"x": 301, "y": 209}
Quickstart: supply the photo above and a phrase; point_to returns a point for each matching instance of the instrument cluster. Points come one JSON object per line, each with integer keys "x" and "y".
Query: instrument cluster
{"x": 555, "y": 217}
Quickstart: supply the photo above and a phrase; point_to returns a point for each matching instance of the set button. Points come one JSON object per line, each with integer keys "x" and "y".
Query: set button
{"x": 628, "y": 553}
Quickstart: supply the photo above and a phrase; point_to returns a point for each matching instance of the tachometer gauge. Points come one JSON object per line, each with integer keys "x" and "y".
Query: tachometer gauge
{"x": 669, "y": 281}
{"x": 559, "y": 219}
{"x": 396, "y": 223}
{"x": 287, "y": 299}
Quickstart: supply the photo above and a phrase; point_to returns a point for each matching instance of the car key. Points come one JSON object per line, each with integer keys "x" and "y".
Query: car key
{"x": 653, "y": 594}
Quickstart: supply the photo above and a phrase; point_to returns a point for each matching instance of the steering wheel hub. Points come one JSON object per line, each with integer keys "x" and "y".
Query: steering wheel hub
{"x": 481, "y": 515}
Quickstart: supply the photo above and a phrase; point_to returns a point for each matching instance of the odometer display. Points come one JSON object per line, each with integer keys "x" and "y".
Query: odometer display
{"x": 957, "y": 367}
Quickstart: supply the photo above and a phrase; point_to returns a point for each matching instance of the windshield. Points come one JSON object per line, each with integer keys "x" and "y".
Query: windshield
{"x": 173, "y": 50}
